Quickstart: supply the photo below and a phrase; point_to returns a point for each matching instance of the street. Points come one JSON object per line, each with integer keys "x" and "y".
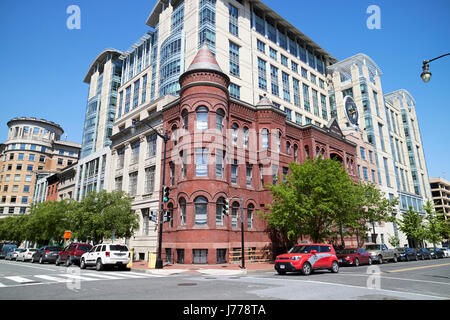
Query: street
{"x": 416, "y": 280}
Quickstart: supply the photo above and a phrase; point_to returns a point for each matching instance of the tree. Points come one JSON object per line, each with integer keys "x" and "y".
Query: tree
{"x": 315, "y": 199}
{"x": 436, "y": 228}
{"x": 411, "y": 224}
{"x": 101, "y": 214}
{"x": 48, "y": 221}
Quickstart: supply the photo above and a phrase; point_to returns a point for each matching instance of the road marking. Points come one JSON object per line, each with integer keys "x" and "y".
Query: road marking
{"x": 27, "y": 266}
{"x": 417, "y": 268}
{"x": 104, "y": 276}
{"x": 19, "y": 279}
{"x": 130, "y": 275}
{"x": 77, "y": 277}
{"x": 394, "y": 278}
{"x": 46, "y": 277}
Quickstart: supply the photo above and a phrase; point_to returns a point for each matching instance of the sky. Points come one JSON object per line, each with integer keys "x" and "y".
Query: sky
{"x": 44, "y": 62}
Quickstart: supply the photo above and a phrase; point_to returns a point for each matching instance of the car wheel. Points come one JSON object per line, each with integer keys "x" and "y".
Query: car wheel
{"x": 370, "y": 261}
{"x": 306, "y": 269}
{"x": 335, "y": 267}
{"x": 380, "y": 259}
{"x": 41, "y": 260}
{"x": 99, "y": 265}
{"x": 82, "y": 264}
{"x": 68, "y": 262}
{"x": 395, "y": 258}
{"x": 356, "y": 262}
{"x": 407, "y": 258}
{"x": 416, "y": 258}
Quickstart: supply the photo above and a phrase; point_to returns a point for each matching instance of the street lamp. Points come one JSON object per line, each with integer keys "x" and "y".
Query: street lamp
{"x": 165, "y": 137}
{"x": 426, "y": 73}
{"x": 242, "y": 233}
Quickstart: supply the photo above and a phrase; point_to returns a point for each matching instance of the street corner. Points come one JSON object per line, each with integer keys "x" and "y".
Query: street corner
{"x": 221, "y": 272}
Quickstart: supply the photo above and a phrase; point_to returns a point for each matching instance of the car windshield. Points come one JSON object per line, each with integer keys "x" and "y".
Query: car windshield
{"x": 118, "y": 247}
{"x": 401, "y": 249}
{"x": 300, "y": 249}
{"x": 373, "y": 247}
{"x": 54, "y": 248}
{"x": 347, "y": 251}
{"x": 32, "y": 250}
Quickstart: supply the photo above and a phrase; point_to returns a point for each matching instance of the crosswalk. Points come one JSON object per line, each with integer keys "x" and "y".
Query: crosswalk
{"x": 68, "y": 277}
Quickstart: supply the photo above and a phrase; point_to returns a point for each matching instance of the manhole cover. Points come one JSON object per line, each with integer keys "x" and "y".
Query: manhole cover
{"x": 187, "y": 284}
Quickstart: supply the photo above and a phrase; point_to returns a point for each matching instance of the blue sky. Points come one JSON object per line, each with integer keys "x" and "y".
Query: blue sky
{"x": 44, "y": 63}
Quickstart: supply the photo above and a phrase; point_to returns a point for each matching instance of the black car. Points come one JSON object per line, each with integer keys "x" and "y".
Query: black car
{"x": 46, "y": 254}
{"x": 423, "y": 253}
{"x": 407, "y": 254}
{"x": 437, "y": 253}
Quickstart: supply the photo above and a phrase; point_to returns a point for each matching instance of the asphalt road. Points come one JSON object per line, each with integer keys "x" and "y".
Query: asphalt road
{"x": 416, "y": 280}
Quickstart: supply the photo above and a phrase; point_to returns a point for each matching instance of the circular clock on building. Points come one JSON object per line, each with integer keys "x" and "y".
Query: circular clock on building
{"x": 351, "y": 110}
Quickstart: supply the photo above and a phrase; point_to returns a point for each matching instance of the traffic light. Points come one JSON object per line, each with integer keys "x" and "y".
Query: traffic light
{"x": 226, "y": 207}
{"x": 166, "y": 191}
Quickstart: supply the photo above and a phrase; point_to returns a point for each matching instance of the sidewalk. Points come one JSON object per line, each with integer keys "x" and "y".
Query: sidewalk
{"x": 208, "y": 269}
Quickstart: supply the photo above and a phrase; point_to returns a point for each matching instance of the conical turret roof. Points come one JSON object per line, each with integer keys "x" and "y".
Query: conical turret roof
{"x": 204, "y": 60}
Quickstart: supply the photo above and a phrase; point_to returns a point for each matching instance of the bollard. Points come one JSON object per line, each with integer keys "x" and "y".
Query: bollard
{"x": 151, "y": 260}
{"x": 130, "y": 265}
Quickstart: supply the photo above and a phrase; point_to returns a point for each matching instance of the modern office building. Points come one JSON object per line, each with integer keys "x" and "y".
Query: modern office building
{"x": 440, "y": 190}
{"x": 389, "y": 124}
{"x": 33, "y": 149}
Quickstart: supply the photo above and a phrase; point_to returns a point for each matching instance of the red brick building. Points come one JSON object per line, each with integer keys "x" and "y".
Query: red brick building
{"x": 223, "y": 148}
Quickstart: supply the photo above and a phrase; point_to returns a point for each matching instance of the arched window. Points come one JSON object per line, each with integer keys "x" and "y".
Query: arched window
{"x": 182, "y": 203}
{"x": 264, "y": 139}
{"x": 279, "y": 141}
{"x": 170, "y": 212}
{"x": 245, "y": 137}
{"x": 202, "y": 118}
{"x": 175, "y": 134}
{"x": 235, "y": 128}
{"x": 184, "y": 115}
{"x": 250, "y": 210}
{"x": 220, "y": 115}
{"x": 201, "y": 210}
{"x": 288, "y": 148}
{"x": 295, "y": 153}
{"x": 219, "y": 211}
{"x": 317, "y": 152}
{"x": 307, "y": 152}
{"x": 234, "y": 214}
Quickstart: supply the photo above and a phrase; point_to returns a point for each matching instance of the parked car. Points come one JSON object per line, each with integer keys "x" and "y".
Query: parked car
{"x": 446, "y": 252}
{"x": 436, "y": 253}
{"x": 381, "y": 253}
{"x": 103, "y": 255}
{"x": 26, "y": 254}
{"x": 407, "y": 254}
{"x": 46, "y": 254}
{"x": 354, "y": 257}
{"x": 305, "y": 258}
{"x": 12, "y": 255}
{"x": 423, "y": 253}
{"x": 72, "y": 253}
{"x": 7, "y": 248}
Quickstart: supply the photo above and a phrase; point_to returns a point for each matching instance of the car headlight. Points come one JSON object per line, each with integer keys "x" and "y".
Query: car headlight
{"x": 348, "y": 258}
{"x": 296, "y": 258}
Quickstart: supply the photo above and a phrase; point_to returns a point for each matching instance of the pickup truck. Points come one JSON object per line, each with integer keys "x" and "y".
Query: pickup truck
{"x": 380, "y": 253}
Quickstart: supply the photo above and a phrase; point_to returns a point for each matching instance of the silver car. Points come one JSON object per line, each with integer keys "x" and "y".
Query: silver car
{"x": 12, "y": 255}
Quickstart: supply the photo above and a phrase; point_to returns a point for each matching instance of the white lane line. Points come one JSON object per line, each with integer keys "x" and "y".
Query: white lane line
{"x": 77, "y": 277}
{"x": 50, "y": 278}
{"x": 19, "y": 279}
{"x": 129, "y": 275}
{"x": 2, "y": 285}
{"x": 104, "y": 276}
{"x": 395, "y": 278}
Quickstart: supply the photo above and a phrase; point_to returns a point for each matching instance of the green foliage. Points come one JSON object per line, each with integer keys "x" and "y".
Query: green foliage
{"x": 412, "y": 225}
{"x": 436, "y": 228}
{"x": 318, "y": 199}
{"x": 94, "y": 218}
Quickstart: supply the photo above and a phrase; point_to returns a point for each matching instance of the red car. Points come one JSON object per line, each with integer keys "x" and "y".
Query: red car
{"x": 72, "y": 253}
{"x": 305, "y": 258}
{"x": 354, "y": 257}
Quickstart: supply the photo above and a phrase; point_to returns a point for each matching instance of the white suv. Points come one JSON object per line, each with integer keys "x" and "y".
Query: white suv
{"x": 106, "y": 255}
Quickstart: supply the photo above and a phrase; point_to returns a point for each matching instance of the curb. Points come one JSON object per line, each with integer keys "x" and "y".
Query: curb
{"x": 220, "y": 272}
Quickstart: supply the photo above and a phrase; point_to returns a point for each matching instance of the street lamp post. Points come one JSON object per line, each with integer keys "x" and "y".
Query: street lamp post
{"x": 165, "y": 137}
{"x": 426, "y": 73}
{"x": 242, "y": 233}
